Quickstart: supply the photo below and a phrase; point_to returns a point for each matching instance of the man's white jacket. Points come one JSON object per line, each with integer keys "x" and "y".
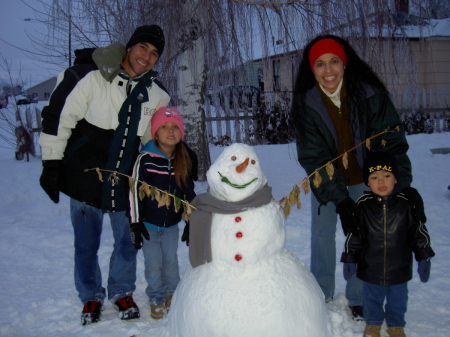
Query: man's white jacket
{"x": 96, "y": 117}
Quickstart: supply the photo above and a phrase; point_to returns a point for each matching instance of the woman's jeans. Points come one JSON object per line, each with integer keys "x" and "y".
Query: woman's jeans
{"x": 87, "y": 223}
{"x": 395, "y": 308}
{"x": 323, "y": 248}
{"x": 161, "y": 264}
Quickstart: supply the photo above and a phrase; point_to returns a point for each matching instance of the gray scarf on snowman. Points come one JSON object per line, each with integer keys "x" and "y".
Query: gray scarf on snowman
{"x": 200, "y": 220}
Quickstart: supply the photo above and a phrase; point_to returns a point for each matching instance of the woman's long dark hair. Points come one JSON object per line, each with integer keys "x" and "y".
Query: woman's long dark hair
{"x": 356, "y": 73}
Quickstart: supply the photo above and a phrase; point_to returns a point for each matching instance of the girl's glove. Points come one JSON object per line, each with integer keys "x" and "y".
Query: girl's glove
{"x": 424, "y": 270}
{"x": 137, "y": 230}
{"x": 349, "y": 270}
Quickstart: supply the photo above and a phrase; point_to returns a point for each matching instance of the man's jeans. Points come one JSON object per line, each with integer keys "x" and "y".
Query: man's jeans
{"x": 323, "y": 248}
{"x": 395, "y": 308}
{"x": 161, "y": 264}
{"x": 87, "y": 224}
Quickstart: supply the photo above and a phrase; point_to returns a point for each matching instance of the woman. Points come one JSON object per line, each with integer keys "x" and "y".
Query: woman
{"x": 339, "y": 102}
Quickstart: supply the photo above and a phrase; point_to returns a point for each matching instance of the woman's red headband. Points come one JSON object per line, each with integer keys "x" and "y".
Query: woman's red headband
{"x": 326, "y": 46}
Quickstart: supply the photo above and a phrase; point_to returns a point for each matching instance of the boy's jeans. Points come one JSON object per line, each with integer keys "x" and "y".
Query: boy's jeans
{"x": 161, "y": 264}
{"x": 323, "y": 248}
{"x": 87, "y": 223}
{"x": 395, "y": 308}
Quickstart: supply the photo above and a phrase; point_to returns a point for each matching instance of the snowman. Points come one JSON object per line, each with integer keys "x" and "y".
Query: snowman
{"x": 243, "y": 281}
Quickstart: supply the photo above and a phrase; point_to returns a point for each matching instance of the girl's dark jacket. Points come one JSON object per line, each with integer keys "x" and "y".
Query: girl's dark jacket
{"x": 388, "y": 237}
{"x": 317, "y": 139}
{"x": 155, "y": 168}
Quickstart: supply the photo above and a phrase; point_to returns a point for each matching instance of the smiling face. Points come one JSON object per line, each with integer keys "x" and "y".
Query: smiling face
{"x": 140, "y": 58}
{"x": 168, "y": 136}
{"x": 329, "y": 71}
{"x": 236, "y": 174}
{"x": 382, "y": 182}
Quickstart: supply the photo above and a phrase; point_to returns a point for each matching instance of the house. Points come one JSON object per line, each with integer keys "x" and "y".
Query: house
{"x": 413, "y": 60}
{"x": 43, "y": 90}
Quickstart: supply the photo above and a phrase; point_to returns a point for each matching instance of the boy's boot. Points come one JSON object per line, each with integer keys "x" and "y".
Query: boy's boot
{"x": 157, "y": 311}
{"x": 168, "y": 303}
{"x": 396, "y": 332}
{"x": 372, "y": 331}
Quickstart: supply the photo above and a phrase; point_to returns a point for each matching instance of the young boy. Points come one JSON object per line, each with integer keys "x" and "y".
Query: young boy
{"x": 380, "y": 251}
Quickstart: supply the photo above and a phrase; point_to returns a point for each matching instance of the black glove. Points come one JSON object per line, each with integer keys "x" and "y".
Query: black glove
{"x": 415, "y": 200}
{"x": 424, "y": 270}
{"x": 137, "y": 231}
{"x": 349, "y": 213}
{"x": 51, "y": 178}
{"x": 349, "y": 270}
{"x": 185, "y": 236}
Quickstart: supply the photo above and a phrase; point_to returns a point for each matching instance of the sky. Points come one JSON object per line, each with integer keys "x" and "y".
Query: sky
{"x": 13, "y": 38}
{"x": 37, "y": 290}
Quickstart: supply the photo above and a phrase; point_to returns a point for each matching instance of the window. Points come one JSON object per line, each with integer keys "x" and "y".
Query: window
{"x": 276, "y": 75}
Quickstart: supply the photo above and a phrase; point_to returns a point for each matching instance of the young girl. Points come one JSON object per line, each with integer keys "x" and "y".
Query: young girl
{"x": 164, "y": 163}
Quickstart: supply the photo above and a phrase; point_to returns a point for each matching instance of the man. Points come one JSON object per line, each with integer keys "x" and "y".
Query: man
{"x": 96, "y": 117}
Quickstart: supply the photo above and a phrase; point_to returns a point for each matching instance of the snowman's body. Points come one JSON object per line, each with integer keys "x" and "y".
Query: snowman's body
{"x": 253, "y": 286}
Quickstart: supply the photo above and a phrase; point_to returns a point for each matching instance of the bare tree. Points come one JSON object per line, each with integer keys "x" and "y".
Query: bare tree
{"x": 17, "y": 123}
{"x": 208, "y": 41}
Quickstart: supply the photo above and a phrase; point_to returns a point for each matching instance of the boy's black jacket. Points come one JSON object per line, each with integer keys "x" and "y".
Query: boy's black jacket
{"x": 388, "y": 237}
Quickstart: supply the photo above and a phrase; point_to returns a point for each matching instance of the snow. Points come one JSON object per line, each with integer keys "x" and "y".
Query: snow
{"x": 36, "y": 251}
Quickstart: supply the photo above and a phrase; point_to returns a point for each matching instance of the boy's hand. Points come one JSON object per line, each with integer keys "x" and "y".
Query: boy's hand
{"x": 137, "y": 230}
{"x": 348, "y": 212}
{"x": 349, "y": 270}
{"x": 424, "y": 270}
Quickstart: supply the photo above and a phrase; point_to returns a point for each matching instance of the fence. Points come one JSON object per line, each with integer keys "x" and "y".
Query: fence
{"x": 263, "y": 118}
{"x": 425, "y": 111}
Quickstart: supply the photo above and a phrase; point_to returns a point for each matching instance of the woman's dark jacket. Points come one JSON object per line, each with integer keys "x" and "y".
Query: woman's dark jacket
{"x": 317, "y": 139}
{"x": 155, "y": 168}
{"x": 388, "y": 236}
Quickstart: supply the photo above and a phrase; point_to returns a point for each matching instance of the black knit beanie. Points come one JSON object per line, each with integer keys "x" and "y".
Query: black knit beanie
{"x": 379, "y": 161}
{"x": 152, "y": 34}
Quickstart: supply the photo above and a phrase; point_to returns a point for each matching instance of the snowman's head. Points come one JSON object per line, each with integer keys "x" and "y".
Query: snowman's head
{"x": 236, "y": 174}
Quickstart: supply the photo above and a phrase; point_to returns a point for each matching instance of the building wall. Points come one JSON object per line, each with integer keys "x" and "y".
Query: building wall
{"x": 43, "y": 90}
{"x": 427, "y": 84}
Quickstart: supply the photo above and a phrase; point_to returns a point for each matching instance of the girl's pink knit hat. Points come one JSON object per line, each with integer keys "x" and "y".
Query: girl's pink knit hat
{"x": 164, "y": 115}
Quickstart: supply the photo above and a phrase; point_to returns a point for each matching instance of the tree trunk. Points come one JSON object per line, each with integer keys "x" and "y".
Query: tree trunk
{"x": 192, "y": 87}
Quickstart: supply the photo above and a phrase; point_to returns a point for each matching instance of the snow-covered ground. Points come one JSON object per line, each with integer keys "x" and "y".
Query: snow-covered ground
{"x": 37, "y": 293}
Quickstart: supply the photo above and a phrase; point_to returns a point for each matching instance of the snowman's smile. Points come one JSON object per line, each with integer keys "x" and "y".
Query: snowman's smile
{"x": 226, "y": 181}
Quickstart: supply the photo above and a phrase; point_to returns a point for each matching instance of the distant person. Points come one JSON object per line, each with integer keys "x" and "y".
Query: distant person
{"x": 380, "y": 251}
{"x": 338, "y": 103}
{"x": 164, "y": 163}
{"x": 96, "y": 117}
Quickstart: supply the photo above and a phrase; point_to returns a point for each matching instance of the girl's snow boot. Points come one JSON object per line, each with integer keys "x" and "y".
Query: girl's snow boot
{"x": 372, "y": 331}
{"x": 396, "y": 332}
{"x": 168, "y": 303}
{"x": 157, "y": 311}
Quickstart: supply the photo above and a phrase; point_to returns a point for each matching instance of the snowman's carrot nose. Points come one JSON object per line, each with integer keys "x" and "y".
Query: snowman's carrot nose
{"x": 241, "y": 167}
